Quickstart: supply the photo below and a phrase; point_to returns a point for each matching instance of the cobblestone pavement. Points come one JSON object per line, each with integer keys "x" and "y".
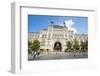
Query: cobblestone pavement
{"x": 59, "y": 55}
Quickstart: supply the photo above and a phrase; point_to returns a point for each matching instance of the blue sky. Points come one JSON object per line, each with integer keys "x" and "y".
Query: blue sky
{"x": 38, "y": 22}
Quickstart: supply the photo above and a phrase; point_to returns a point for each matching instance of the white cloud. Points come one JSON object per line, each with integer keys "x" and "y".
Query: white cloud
{"x": 73, "y": 29}
{"x": 69, "y": 24}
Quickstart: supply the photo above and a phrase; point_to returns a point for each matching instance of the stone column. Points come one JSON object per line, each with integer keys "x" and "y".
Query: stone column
{"x": 40, "y": 36}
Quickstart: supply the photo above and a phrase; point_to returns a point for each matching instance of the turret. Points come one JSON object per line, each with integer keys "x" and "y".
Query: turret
{"x": 64, "y": 24}
{"x": 51, "y": 23}
{"x": 65, "y": 27}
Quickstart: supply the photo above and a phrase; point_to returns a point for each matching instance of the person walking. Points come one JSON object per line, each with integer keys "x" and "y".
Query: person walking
{"x": 38, "y": 53}
{"x": 34, "y": 55}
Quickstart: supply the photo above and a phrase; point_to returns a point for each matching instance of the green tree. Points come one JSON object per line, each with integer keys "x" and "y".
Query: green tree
{"x": 82, "y": 45}
{"x": 35, "y": 45}
{"x": 69, "y": 45}
{"x": 76, "y": 45}
{"x": 86, "y": 45}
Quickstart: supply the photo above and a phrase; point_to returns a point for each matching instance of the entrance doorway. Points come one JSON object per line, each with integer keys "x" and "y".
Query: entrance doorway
{"x": 57, "y": 46}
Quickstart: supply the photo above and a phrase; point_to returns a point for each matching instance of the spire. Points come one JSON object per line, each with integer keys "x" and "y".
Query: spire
{"x": 52, "y": 23}
{"x": 65, "y": 27}
{"x": 64, "y": 24}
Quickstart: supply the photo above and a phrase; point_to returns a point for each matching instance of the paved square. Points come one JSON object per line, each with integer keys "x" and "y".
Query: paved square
{"x": 59, "y": 55}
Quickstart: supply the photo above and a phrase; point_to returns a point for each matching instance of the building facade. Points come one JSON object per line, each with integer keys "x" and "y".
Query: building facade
{"x": 55, "y": 37}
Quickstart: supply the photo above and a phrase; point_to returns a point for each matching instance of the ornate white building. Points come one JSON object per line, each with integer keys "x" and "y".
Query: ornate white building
{"x": 55, "y": 37}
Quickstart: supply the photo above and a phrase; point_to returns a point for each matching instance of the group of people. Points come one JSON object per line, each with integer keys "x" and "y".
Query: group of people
{"x": 35, "y": 55}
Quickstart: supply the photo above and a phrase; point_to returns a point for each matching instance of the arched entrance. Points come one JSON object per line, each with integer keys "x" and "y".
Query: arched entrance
{"x": 57, "y": 46}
